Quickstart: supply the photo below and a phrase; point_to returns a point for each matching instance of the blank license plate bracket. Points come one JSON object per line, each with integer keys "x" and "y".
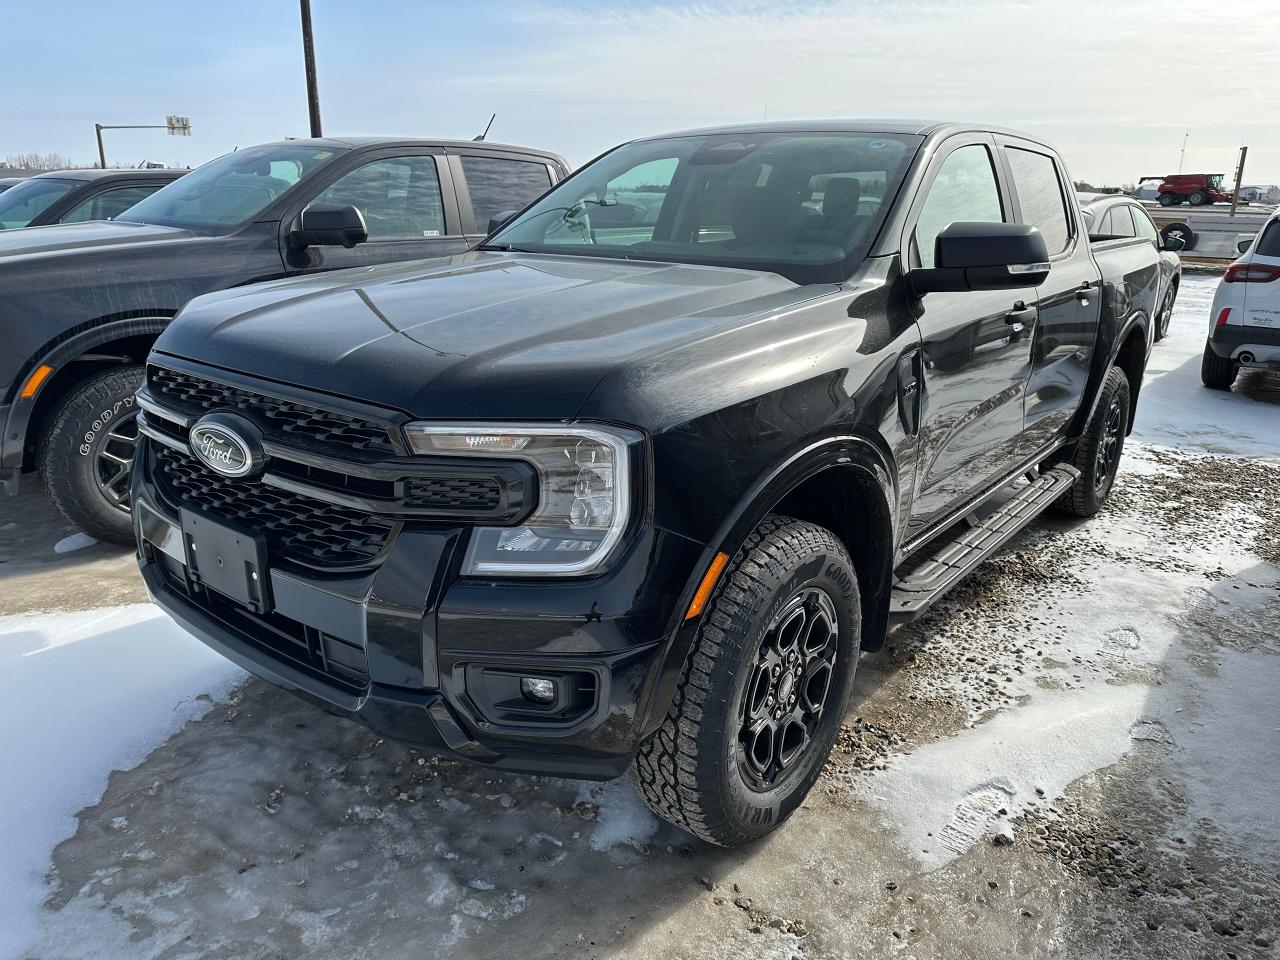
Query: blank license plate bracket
{"x": 228, "y": 559}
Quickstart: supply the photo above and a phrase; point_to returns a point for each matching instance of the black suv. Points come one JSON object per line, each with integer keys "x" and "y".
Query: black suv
{"x": 633, "y": 483}
{"x": 74, "y": 196}
{"x": 81, "y": 303}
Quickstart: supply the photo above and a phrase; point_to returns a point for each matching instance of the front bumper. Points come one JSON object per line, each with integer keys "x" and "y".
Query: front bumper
{"x": 418, "y": 654}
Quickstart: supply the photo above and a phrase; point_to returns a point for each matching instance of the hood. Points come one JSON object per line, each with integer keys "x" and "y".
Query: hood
{"x": 75, "y": 237}
{"x": 480, "y": 335}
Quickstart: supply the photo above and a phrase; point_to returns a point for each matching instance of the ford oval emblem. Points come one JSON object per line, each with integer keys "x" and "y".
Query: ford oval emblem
{"x": 222, "y": 444}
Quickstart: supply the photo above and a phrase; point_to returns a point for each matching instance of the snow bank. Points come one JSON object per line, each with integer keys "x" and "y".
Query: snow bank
{"x": 82, "y": 694}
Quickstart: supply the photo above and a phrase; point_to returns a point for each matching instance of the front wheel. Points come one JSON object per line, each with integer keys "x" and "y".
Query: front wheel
{"x": 1097, "y": 454}
{"x": 1168, "y": 200}
{"x": 1197, "y": 199}
{"x": 763, "y": 690}
{"x": 1217, "y": 373}
{"x": 87, "y": 453}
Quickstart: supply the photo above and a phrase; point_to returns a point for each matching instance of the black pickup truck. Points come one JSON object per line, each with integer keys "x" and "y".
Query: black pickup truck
{"x": 81, "y": 303}
{"x": 633, "y": 483}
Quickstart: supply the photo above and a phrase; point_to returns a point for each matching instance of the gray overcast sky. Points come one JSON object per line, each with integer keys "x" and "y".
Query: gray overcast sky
{"x": 1114, "y": 85}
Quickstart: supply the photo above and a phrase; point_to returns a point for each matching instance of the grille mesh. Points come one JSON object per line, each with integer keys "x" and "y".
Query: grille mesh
{"x": 454, "y": 493}
{"x": 196, "y": 395}
{"x": 296, "y": 527}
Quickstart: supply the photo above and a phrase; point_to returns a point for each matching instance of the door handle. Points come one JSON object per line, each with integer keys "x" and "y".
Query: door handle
{"x": 1020, "y": 314}
{"x": 1085, "y": 291}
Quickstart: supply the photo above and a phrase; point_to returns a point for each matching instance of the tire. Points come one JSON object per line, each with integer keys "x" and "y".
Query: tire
{"x": 1217, "y": 373}
{"x": 1182, "y": 231}
{"x": 1166, "y": 312}
{"x": 1097, "y": 454}
{"x": 1168, "y": 200}
{"x": 1197, "y": 199}
{"x": 704, "y": 770}
{"x": 87, "y": 453}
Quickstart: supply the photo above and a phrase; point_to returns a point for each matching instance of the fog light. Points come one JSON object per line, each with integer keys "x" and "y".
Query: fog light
{"x": 538, "y": 689}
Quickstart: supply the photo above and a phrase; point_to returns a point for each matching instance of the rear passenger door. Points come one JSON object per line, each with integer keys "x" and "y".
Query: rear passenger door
{"x": 1068, "y": 302}
{"x": 409, "y": 209}
{"x": 492, "y": 183}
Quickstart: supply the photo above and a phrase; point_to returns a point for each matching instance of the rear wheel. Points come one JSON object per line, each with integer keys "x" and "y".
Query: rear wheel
{"x": 1097, "y": 454}
{"x": 763, "y": 690}
{"x": 87, "y": 453}
{"x": 1217, "y": 373}
{"x": 1166, "y": 312}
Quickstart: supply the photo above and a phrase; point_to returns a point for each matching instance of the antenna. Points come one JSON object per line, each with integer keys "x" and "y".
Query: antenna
{"x": 486, "y": 129}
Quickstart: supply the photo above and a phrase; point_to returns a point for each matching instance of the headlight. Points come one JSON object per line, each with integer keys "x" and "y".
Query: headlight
{"x": 584, "y": 493}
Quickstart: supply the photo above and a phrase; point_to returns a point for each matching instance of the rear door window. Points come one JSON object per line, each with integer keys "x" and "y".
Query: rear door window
{"x": 1121, "y": 222}
{"x": 498, "y": 185}
{"x": 1044, "y": 206}
{"x": 1268, "y": 245}
{"x": 108, "y": 204}
{"x": 964, "y": 190}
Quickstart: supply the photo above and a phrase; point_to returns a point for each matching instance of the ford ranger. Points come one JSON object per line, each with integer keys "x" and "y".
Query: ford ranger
{"x": 632, "y": 484}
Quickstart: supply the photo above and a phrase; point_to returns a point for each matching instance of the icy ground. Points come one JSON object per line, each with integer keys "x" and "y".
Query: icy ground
{"x": 1072, "y": 756}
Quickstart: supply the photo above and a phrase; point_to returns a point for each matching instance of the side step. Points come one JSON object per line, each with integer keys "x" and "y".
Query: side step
{"x": 913, "y": 593}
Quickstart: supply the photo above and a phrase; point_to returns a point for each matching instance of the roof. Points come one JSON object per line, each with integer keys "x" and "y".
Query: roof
{"x": 351, "y": 143}
{"x": 126, "y": 173}
{"x": 1086, "y": 199}
{"x": 920, "y": 128}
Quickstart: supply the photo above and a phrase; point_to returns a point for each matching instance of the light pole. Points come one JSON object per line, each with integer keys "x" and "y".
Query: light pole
{"x": 177, "y": 127}
{"x": 309, "y": 59}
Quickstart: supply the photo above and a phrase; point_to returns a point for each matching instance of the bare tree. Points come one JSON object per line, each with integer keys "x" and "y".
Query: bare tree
{"x": 38, "y": 161}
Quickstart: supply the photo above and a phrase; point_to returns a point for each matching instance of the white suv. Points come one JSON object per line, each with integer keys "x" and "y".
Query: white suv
{"x": 1245, "y": 322}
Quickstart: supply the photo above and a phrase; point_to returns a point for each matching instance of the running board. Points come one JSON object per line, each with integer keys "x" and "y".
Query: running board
{"x": 956, "y": 558}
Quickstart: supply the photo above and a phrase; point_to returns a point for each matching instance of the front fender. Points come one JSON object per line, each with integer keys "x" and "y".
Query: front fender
{"x": 56, "y": 354}
{"x": 867, "y": 456}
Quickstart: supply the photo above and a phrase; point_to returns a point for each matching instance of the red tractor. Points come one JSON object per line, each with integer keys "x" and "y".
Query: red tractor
{"x": 1198, "y": 189}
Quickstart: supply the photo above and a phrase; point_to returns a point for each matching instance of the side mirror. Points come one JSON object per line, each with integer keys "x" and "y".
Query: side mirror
{"x": 329, "y": 225}
{"x": 1242, "y": 246}
{"x": 1172, "y": 243}
{"x": 984, "y": 256}
{"x": 500, "y": 220}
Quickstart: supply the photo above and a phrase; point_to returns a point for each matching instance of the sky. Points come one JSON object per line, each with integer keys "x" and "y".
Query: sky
{"x": 1115, "y": 86}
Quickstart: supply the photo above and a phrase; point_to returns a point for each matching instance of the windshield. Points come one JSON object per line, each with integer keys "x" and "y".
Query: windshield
{"x": 21, "y": 204}
{"x": 230, "y": 190}
{"x": 804, "y": 205}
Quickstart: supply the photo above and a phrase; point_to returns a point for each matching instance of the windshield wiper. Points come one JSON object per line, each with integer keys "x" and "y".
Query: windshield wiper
{"x": 500, "y": 248}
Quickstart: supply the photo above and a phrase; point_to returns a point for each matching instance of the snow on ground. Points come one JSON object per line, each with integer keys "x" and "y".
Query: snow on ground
{"x": 91, "y": 693}
{"x": 950, "y": 794}
{"x": 76, "y": 541}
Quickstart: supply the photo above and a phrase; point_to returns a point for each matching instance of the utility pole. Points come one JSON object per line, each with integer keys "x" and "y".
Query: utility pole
{"x": 1235, "y": 194}
{"x": 1183, "y": 154}
{"x": 309, "y": 57}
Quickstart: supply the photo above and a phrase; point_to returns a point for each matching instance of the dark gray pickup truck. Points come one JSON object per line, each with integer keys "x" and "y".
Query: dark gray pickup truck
{"x": 81, "y": 303}
{"x": 633, "y": 483}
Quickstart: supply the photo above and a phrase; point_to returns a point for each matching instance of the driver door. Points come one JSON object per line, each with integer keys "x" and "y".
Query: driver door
{"x": 409, "y": 208}
{"x": 975, "y": 345}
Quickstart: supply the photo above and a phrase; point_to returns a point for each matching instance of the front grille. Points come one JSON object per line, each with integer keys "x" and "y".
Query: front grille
{"x": 296, "y": 527}
{"x": 454, "y": 493}
{"x": 196, "y": 395}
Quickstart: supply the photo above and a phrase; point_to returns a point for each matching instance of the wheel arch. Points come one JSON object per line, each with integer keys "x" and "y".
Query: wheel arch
{"x": 847, "y": 484}
{"x": 73, "y": 355}
{"x": 1131, "y": 357}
